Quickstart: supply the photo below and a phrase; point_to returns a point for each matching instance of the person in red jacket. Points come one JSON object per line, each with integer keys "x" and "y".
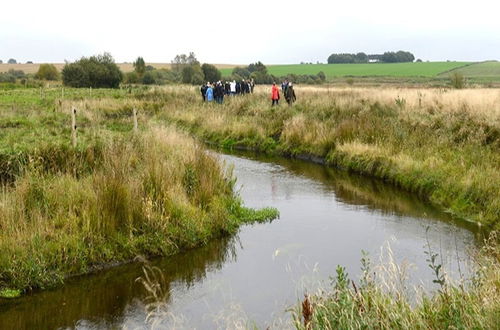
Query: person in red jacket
{"x": 275, "y": 94}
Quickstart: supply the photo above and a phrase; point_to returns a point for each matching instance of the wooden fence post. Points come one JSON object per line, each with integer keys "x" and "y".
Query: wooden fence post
{"x": 135, "y": 121}
{"x": 73, "y": 126}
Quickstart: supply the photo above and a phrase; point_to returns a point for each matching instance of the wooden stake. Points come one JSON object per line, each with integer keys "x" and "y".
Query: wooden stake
{"x": 135, "y": 121}
{"x": 73, "y": 127}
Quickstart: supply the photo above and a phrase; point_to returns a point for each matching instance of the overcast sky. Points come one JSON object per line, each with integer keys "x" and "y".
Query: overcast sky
{"x": 244, "y": 31}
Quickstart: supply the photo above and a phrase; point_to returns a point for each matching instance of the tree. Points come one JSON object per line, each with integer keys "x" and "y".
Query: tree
{"x": 47, "y": 72}
{"x": 183, "y": 60}
{"x": 241, "y": 72}
{"x": 361, "y": 58}
{"x": 140, "y": 66}
{"x": 1, "y": 62}
{"x": 96, "y": 71}
{"x": 12, "y": 61}
{"x": 210, "y": 72}
{"x": 192, "y": 74}
{"x": 257, "y": 67}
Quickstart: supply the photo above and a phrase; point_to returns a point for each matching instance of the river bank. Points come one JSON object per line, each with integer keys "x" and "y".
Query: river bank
{"x": 441, "y": 144}
{"x": 67, "y": 211}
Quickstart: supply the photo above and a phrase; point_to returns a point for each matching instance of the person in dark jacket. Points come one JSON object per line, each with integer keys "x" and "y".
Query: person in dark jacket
{"x": 246, "y": 85}
{"x": 203, "y": 91}
{"x": 219, "y": 93}
{"x": 290, "y": 94}
{"x": 238, "y": 88}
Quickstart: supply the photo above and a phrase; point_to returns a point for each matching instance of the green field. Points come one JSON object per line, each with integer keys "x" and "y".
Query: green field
{"x": 483, "y": 69}
{"x": 424, "y": 69}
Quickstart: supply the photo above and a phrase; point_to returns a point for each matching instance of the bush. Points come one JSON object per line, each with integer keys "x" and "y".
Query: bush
{"x": 148, "y": 78}
{"x": 457, "y": 80}
{"x": 131, "y": 78}
{"x": 96, "y": 71}
{"x": 12, "y": 61}
{"x": 192, "y": 74}
{"x": 47, "y": 72}
{"x": 11, "y": 76}
{"x": 210, "y": 72}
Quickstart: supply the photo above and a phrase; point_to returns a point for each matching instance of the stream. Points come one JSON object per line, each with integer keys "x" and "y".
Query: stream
{"x": 327, "y": 218}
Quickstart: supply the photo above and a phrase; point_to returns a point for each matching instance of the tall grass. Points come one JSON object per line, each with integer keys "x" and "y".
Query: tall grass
{"x": 152, "y": 194}
{"x": 381, "y": 299}
{"x": 442, "y": 144}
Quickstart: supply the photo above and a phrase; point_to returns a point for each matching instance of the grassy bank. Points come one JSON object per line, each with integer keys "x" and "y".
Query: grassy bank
{"x": 441, "y": 144}
{"x": 67, "y": 211}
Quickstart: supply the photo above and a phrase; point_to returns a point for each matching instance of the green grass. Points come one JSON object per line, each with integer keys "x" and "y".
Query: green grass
{"x": 488, "y": 69}
{"x": 118, "y": 194}
{"x": 9, "y": 293}
{"x": 424, "y": 69}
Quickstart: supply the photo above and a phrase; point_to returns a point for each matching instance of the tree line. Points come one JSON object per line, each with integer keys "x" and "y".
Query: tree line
{"x": 387, "y": 57}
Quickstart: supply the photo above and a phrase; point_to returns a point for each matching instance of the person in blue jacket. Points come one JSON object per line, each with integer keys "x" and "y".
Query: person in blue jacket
{"x": 209, "y": 93}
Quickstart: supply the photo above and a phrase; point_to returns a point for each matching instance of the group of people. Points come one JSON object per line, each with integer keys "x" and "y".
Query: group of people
{"x": 216, "y": 91}
{"x": 286, "y": 89}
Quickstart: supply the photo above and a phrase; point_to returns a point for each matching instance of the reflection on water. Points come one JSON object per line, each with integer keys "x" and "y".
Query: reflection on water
{"x": 327, "y": 218}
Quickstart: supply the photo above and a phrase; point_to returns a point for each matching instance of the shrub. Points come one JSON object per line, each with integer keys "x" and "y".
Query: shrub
{"x": 457, "y": 80}
{"x": 192, "y": 74}
{"x": 210, "y": 72}
{"x": 47, "y": 72}
{"x": 131, "y": 78}
{"x": 12, "y": 61}
{"x": 148, "y": 78}
{"x": 96, "y": 71}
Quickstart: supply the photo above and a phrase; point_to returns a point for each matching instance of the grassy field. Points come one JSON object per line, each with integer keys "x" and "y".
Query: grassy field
{"x": 484, "y": 69}
{"x": 424, "y": 69}
{"x": 118, "y": 194}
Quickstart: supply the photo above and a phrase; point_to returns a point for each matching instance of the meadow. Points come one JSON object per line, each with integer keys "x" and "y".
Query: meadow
{"x": 423, "y": 69}
{"x": 484, "y": 69}
{"x": 118, "y": 194}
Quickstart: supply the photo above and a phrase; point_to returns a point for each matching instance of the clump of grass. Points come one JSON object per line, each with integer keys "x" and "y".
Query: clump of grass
{"x": 380, "y": 299}
{"x": 9, "y": 293}
{"x": 152, "y": 194}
